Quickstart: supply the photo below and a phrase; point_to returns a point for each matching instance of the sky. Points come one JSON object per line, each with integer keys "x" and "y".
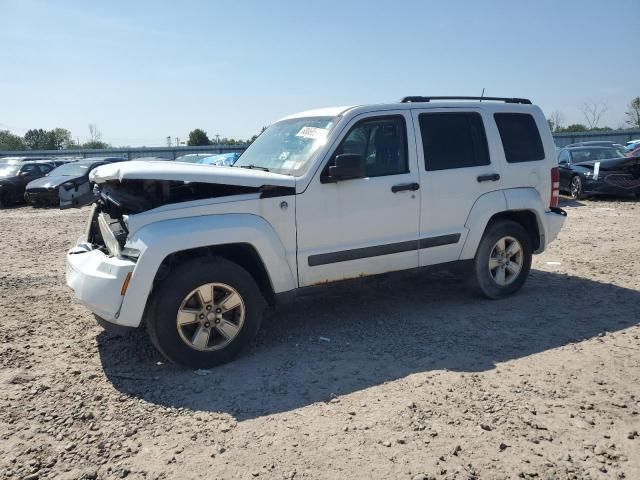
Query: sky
{"x": 142, "y": 71}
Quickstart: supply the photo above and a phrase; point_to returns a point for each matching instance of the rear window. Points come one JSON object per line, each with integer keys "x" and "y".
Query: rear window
{"x": 520, "y": 137}
{"x": 453, "y": 140}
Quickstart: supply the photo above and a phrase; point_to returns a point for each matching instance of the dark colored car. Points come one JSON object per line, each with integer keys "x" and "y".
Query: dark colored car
{"x": 14, "y": 177}
{"x": 599, "y": 143}
{"x": 598, "y": 170}
{"x": 66, "y": 185}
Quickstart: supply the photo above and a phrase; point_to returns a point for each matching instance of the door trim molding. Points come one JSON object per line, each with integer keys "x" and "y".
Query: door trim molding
{"x": 379, "y": 250}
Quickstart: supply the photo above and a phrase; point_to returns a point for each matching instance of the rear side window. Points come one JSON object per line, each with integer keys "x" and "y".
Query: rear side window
{"x": 520, "y": 137}
{"x": 453, "y": 140}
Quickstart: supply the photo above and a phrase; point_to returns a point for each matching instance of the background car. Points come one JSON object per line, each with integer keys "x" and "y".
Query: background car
{"x": 151, "y": 159}
{"x": 224, "y": 159}
{"x": 14, "y": 177}
{"x": 598, "y": 170}
{"x": 70, "y": 181}
{"x": 632, "y": 145}
{"x": 55, "y": 161}
{"x": 635, "y": 152}
{"x": 599, "y": 143}
{"x": 193, "y": 157}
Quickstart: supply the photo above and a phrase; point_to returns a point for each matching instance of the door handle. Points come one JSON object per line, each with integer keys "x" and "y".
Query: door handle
{"x": 490, "y": 177}
{"x": 405, "y": 186}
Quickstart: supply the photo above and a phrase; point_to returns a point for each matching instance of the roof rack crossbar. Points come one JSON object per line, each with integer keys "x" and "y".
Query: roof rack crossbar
{"x": 417, "y": 99}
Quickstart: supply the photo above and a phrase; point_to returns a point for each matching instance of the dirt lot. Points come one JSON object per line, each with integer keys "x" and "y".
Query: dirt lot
{"x": 418, "y": 379}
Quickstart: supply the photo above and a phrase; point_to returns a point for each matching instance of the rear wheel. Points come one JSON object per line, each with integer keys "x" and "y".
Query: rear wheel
{"x": 205, "y": 313}
{"x": 576, "y": 188}
{"x": 503, "y": 259}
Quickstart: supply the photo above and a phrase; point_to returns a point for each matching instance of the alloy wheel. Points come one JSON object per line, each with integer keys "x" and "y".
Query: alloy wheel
{"x": 210, "y": 317}
{"x": 576, "y": 187}
{"x": 506, "y": 261}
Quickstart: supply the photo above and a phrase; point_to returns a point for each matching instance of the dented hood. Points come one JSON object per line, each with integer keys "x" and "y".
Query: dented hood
{"x": 188, "y": 172}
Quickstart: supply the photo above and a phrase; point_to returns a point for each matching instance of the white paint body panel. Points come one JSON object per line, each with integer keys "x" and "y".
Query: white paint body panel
{"x": 189, "y": 172}
{"x": 321, "y": 218}
{"x": 357, "y": 213}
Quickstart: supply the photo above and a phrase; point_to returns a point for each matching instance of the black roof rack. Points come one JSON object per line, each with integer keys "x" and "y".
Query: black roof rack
{"x": 524, "y": 101}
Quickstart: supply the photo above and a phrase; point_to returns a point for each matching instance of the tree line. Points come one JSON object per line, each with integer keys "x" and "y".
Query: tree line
{"x": 61, "y": 138}
{"x": 55, "y": 139}
{"x": 593, "y": 112}
{"x": 198, "y": 137}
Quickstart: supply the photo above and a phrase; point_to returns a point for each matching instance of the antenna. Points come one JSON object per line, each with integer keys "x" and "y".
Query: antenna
{"x": 482, "y": 94}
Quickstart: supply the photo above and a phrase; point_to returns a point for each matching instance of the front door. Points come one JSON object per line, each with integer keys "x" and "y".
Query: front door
{"x": 366, "y": 225}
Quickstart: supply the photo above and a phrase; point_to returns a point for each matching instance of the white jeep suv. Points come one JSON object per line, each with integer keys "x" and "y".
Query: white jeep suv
{"x": 194, "y": 252}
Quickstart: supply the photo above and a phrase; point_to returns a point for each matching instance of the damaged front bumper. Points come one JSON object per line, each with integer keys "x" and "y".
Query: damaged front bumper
{"x": 97, "y": 280}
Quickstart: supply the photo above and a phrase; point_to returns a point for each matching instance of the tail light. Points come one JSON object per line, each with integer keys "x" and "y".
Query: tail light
{"x": 555, "y": 187}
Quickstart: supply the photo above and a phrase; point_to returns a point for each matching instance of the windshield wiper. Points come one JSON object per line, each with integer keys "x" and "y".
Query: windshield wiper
{"x": 253, "y": 167}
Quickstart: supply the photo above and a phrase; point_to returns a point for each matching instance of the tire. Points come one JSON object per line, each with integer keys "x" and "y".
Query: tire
{"x": 576, "y": 188}
{"x": 489, "y": 281}
{"x": 181, "y": 296}
{"x": 6, "y": 198}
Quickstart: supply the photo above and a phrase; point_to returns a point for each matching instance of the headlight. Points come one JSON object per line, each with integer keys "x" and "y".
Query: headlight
{"x": 68, "y": 185}
{"x": 108, "y": 236}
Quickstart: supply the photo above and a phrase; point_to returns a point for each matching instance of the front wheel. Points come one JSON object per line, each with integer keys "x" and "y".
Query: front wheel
{"x": 576, "y": 188}
{"x": 205, "y": 313}
{"x": 503, "y": 259}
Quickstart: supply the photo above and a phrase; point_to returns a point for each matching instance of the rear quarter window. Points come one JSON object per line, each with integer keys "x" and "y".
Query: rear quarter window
{"x": 520, "y": 137}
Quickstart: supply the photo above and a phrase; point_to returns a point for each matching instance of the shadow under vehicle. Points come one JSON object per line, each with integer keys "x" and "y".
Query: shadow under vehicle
{"x": 431, "y": 324}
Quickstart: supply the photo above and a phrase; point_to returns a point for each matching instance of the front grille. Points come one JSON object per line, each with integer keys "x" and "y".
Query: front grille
{"x": 622, "y": 180}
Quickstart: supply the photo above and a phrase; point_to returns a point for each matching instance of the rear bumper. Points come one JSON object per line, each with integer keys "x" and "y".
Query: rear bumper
{"x": 97, "y": 280}
{"x": 554, "y": 220}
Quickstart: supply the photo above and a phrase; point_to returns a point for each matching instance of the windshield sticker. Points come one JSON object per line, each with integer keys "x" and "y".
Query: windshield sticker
{"x": 312, "y": 132}
{"x": 284, "y": 155}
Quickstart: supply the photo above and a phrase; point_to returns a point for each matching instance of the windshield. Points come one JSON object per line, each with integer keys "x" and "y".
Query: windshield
{"x": 70, "y": 170}
{"x": 288, "y": 146}
{"x": 600, "y": 153}
{"x": 9, "y": 170}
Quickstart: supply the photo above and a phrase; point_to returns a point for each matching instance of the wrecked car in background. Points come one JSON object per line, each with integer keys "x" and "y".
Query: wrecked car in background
{"x": 67, "y": 185}
{"x": 586, "y": 171}
{"x": 14, "y": 177}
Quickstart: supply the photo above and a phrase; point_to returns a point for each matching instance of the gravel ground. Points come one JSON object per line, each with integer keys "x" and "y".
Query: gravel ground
{"x": 413, "y": 378}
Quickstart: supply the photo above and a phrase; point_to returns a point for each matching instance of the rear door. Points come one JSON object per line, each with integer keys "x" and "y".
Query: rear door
{"x": 456, "y": 167}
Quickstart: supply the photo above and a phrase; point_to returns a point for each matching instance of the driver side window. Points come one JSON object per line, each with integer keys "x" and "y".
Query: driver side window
{"x": 382, "y": 144}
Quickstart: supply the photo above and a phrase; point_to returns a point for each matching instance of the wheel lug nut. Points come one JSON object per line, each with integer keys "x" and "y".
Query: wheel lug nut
{"x": 208, "y": 307}
{"x": 218, "y": 310}
{"x": 201, "y": 316}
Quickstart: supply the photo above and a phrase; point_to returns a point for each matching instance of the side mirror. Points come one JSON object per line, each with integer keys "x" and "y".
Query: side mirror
{"x": 347, "y": 166}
